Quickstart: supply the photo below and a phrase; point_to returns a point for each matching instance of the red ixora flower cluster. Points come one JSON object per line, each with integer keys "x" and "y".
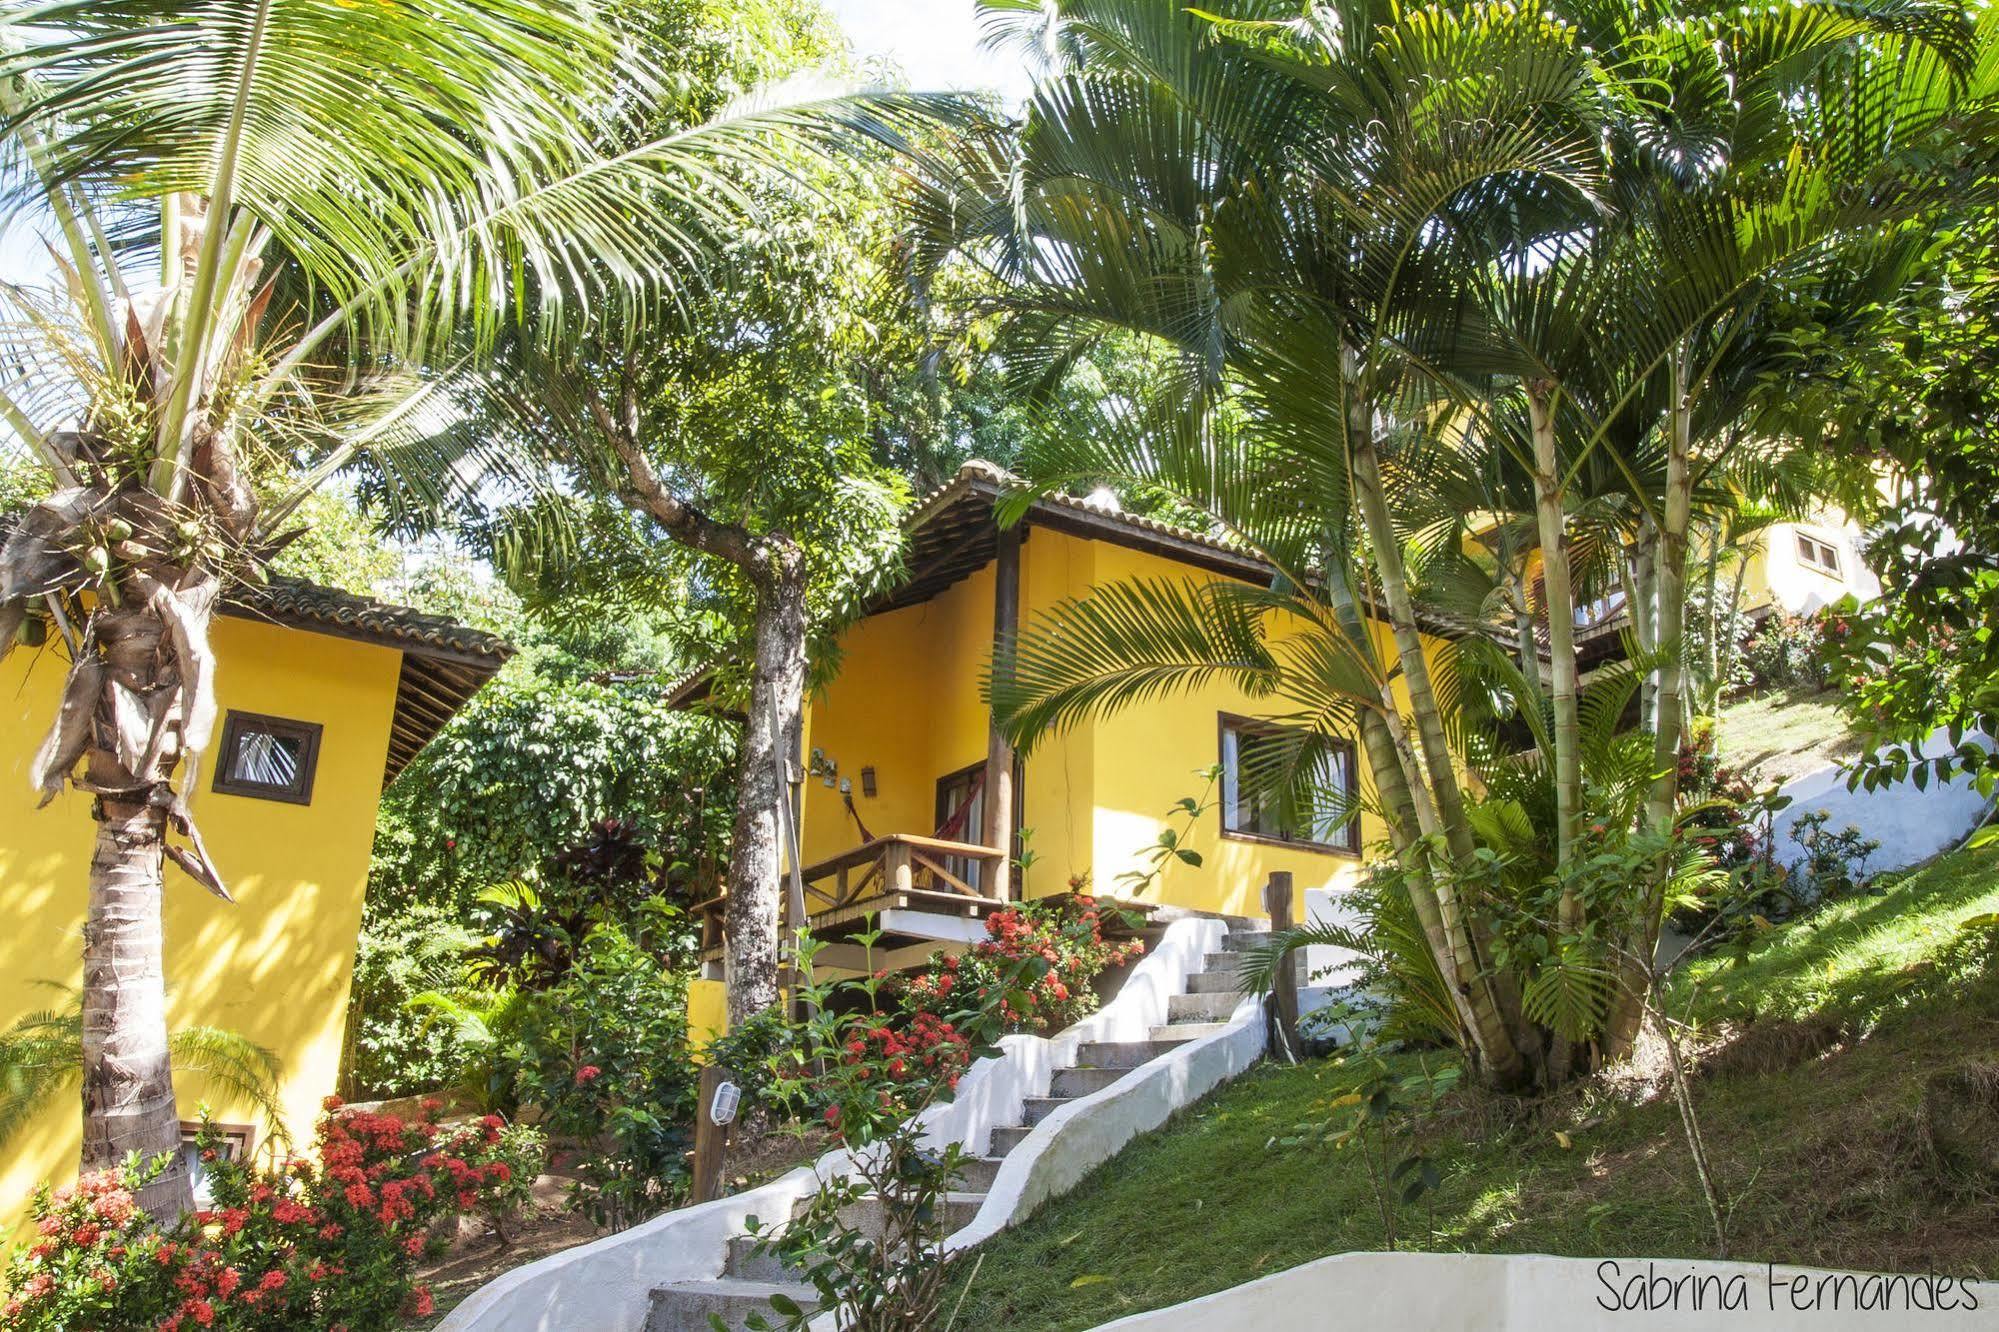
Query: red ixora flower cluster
{"x": 1065, "y": 940}
{"x": 326, "y": 1245}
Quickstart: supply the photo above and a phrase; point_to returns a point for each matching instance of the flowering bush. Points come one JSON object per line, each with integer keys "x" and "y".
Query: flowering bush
{"x": 1788, "y": 652}
{"x": 299, "y": 1246}
{"x": 1040, "y": 961}
{"x": 604, "y": 1054}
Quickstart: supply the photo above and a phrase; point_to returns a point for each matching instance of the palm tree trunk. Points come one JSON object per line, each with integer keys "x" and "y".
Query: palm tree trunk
{"x": 1559, "y": 595}
{"x": 128, "y": 1090}
{"x": 1497, "y": 1031}
{"x": 756, "y": 860}
{"x": 1661, "y": 803}
{"x": 1433, "y": 745}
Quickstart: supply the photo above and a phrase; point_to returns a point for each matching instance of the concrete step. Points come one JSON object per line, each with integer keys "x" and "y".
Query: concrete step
{"x": 1006, "y": 1139}
{"x": 685, "y": 1306}
{"x": 1241, "y": 941}
{"x": 1037, "y": 1108}
{"x": 746, "y": 1264}
{"x": 975, "y": 1173}
{"x": 1214, "y": 982}
{"x": 865, "y": 1215}
{"x": 1230, "y": 961}
{"x": 1201, "y": 1007}
{"x": 1178, "y": 1032}
{"x": 1121, "y": 1054}
{"x": 1073, "y": 1082}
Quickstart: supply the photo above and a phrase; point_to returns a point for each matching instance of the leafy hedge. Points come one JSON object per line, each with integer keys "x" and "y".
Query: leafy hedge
{"x": 529, "y": 766}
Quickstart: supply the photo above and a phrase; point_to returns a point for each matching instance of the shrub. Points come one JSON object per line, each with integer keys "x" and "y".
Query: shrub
{"x": 392, "y": 1051}
{"x": 1063, "y": 948}
{"x": 870, "y": 1078}
{"x": 1787, "y": 652}
{"x": 604, "y": 1054}
{"x": 326, "y": 1245}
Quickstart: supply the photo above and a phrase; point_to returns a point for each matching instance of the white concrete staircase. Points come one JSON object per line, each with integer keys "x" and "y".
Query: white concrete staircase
{"x": 749, "y": 1278}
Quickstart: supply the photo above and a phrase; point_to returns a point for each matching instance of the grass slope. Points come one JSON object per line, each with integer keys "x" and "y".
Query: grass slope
{"x": 1785, "y": 734}
{"x": 1849, "y": 1088}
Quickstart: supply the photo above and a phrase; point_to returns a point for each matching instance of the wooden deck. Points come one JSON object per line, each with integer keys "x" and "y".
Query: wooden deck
{"x": 900, "y": 873}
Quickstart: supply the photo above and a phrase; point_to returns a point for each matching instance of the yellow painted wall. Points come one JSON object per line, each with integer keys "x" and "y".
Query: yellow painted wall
{"x": 707, "y": 1012}
{"x": 276, "y": 965}
{"x": 906, "y": 702}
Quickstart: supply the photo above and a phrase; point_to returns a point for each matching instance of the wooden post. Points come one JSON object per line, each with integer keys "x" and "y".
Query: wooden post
{"x": 1284, "y": 987}
{"x": 897, "y": 870}
{"x": 711, "y": 1140}
{"x": 999, "y": 754}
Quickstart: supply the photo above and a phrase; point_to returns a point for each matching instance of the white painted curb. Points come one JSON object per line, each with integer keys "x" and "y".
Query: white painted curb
{"x": 1478, "y": 1292}
{"x": 606, "y": 1285}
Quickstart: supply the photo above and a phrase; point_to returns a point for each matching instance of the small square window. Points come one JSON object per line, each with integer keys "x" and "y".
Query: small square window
{"x": 235, "y": 1141}
{"x": 269, "y": 758}
{"x": 1816, "y": 554}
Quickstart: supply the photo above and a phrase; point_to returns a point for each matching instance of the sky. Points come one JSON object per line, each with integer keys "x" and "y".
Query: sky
{"x": 934, "y": 42}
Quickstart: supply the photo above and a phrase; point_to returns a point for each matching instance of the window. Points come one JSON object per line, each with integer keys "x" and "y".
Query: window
{"x": 236, "y": 1140}
{"x": 1251, "y": 750}
{"x": 267, "y": 757}
{"x": 1816, "y": 554}
{"x": 961, "y": 816}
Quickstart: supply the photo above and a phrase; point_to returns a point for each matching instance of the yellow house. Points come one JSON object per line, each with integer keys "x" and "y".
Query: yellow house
{"x": 323, "y": 697}
{"x": 908, "y": 790}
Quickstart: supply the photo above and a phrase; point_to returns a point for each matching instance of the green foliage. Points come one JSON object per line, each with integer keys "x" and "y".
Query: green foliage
{"x": 401, "y": 955}
{"x": 1396, "y": 967}
{"x": 604, "y": 1056}
{"x": 1786, "y": 652}
{"x": 1037, "y": 967}
{"x": 331, "y": 1243}
{"x": 526, "y": 770}
{"x": 1372, "y": 1122}
{"x": 871, "y": 1072}
{"x": 41, "y": 1062}
{"x": 1835, "y": 862}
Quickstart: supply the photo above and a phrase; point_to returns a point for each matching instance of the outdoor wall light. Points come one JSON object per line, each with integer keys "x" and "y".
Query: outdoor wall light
{"x": 868, "y": 782}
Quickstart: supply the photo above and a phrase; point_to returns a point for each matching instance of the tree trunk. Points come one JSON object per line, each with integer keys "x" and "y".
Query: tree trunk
{"x": 128, "y": 1089}
{"x": 1496, "y": 1028}
{"x": 1559, "y": 597}
{"x": 756, "y": 859}
{"x": 1661, "y": 803}
{"x": 1433, "y": 745}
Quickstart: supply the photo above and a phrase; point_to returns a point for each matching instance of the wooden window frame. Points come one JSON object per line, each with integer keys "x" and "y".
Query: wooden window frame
{"x": 307, "y": 733}
{"x": 1808, "y": 545}
{"x": 977, "y": 835}
{"x": 1227, "y": 721}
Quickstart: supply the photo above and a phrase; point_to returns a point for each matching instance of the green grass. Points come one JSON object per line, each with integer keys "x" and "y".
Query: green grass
{"x": 1835, "y": 1119}
{"x": 1786, "y": 733}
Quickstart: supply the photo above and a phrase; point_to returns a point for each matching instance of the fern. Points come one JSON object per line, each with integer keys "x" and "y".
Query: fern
{"x": 41, "y": 1058}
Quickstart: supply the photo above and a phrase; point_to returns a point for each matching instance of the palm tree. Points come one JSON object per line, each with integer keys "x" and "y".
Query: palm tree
{"x": 1756, "y": 158}
{"x": 41, "y": 1057}
{"x": 270, "y": 216}
{"x": 1342, "y": 222}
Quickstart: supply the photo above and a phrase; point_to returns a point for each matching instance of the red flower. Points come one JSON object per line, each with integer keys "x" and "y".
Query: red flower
{"x": 587, "y": 1074}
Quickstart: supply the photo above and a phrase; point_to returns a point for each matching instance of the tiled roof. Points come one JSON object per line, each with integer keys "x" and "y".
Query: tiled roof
{"x": 444, "y": 663}
{"x": 304, "y": 605}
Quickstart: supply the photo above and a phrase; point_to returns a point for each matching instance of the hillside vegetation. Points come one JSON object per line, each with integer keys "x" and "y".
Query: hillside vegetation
{"x": 1848, "y": 1080}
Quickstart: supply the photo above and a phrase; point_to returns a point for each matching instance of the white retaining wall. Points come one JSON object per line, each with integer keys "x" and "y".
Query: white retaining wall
{"x": 605, "y": 1286}
{"x": 1465, "y": 1292}
{"x": 1911, "y": 825}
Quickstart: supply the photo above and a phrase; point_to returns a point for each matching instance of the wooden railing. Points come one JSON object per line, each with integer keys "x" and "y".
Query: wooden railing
{"x": 899, "y": 863}
{"x": 929, "y": 869}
